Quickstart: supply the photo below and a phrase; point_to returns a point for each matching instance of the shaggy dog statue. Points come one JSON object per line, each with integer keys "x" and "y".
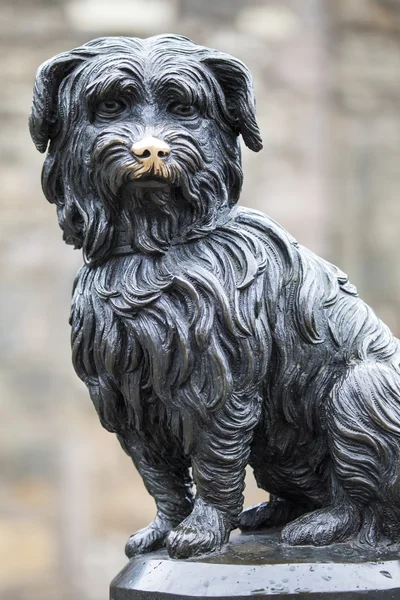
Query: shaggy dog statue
{"x": 208, "y": 338}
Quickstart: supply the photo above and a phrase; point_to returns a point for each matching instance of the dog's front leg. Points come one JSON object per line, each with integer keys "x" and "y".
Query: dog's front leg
{"x": 218, "y": 462}
{"x": 165, "y": 473}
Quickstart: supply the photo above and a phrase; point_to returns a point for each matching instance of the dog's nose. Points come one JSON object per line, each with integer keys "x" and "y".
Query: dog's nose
{"x": 152, "y": 148}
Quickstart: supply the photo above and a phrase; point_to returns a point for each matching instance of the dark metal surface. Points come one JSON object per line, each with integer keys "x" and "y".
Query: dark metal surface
{"x": 208, "y": 338}
{"x": 258, "y": 566}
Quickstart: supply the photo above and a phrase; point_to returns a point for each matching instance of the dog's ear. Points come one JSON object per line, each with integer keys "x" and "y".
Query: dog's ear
{"x": 237, "y": 84}
{"x": 43, "y": 117}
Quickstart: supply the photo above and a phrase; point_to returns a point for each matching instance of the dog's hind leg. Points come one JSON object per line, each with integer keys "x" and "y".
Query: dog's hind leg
{"x": 166, "y": 477}
{"x": 363, "y": 420}
{"x": 274, "y": 513}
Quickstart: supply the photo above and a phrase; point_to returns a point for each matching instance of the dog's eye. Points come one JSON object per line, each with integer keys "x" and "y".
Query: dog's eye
{"x": 183, "y": 110}
{"x": 110, "y": 107}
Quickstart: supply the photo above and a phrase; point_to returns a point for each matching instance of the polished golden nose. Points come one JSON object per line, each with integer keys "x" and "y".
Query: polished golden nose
{"x": 151, "y": 148}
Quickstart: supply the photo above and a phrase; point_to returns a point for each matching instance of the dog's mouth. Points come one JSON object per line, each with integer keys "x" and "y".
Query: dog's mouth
{"x": 150, "y": 181}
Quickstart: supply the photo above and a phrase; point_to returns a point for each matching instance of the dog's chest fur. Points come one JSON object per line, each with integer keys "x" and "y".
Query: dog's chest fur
{"x": 186, "y": 328}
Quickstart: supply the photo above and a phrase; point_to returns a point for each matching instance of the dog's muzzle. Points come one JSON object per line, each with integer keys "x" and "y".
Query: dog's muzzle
{"x": 151, "y": 153}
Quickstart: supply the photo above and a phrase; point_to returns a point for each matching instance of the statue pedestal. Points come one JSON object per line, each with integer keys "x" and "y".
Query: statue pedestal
{"x": 259, "y": 566}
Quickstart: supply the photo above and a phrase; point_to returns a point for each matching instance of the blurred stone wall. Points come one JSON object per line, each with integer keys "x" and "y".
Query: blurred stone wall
{"x": 327, "y": 82}
{"x": 366, "y": 150}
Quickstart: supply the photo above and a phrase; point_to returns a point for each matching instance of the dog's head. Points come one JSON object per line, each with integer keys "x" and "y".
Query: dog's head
{"x": 143, "y": 140}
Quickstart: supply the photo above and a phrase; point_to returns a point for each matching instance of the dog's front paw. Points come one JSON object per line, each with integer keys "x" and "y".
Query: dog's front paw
{"x": 323, "y": 527}
{"x": 203, "y": 531}
{"x": 150, "y": 538}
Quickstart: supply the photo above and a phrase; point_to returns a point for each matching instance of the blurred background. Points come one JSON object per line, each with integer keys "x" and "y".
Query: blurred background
{"x": 327, "y": 80}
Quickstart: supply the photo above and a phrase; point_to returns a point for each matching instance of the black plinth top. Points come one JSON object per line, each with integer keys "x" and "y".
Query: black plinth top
{"x": 259, "y": 566}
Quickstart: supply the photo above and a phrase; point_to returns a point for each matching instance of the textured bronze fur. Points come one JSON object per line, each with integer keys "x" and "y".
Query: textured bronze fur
{"x": 206, "y": 335}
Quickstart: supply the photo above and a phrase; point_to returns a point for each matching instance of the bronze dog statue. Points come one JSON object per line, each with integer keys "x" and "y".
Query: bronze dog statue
{"x": 207, "y": 337}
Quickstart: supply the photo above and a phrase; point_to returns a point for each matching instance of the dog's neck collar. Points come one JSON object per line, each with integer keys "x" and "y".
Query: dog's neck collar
{"x": 122, "y": 245}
